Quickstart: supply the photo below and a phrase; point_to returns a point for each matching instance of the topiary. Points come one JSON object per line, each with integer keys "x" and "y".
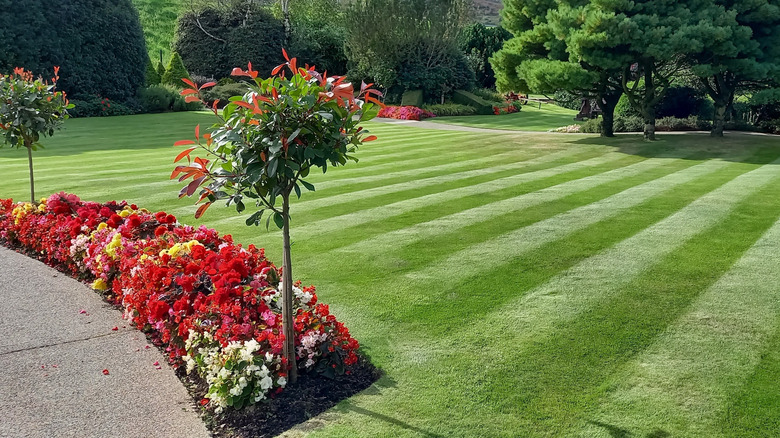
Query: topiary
{"x": 175, "y": 71}
{"x": 152, "y": 77}
{"x": 99, "y": 44}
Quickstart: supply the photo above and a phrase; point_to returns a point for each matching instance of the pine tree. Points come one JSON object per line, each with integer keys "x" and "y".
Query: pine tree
{"x": 152, "y": 77}
{"x": 175, "y": 71}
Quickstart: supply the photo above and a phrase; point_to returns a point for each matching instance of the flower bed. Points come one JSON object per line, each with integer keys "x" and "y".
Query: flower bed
{"x": 405, "y": 113}
{"x": 212, "y": 303}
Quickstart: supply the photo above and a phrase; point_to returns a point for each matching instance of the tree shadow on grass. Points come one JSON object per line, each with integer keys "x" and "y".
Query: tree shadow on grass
{"x": 694, "y": 146}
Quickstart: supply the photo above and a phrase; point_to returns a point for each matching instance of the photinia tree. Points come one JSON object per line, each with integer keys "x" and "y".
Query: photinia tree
{"x": 266, "y": 143}
{"x": 30, "y": 107}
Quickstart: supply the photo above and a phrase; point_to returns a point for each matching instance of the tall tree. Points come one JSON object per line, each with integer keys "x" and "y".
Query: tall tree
{"x": 542, "y": 57}
{"x": 741, "y": 53}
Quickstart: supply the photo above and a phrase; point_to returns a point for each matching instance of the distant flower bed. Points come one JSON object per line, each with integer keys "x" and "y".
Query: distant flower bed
{"x": 567, "y": 129}
{"x": 214, "y": 304}
{"x": 405, "y": 113}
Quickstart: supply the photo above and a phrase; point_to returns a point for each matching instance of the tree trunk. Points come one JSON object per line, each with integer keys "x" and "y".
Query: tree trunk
{"x": 648, "y": 104}
{"x": 32, "y": 181}
{"x": 719, "y": 118}
{"x": 607, "y": 103}
{"x": 286, "y": 19}
{"x": 649, "y": 132}
{"x": 288, "y": 316}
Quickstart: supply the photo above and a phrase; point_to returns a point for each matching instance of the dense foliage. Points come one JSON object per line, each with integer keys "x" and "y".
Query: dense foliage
{"x": 479, "y": 43}
{"x": 212, "y": 303}
{"x": 175, "y": 71}
{"x": 409, "y": 44}
{"x": 99, "y": 44}
{"x": 211, "y": 40}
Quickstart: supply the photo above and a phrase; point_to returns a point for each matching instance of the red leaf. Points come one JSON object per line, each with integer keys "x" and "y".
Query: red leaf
{"x": 238, "y": 72}
{"x": 284, "y": 52}
{"x": 369, "y": 138}
{"x": 208, "y": 85}
{"x": 187, "y": 91}
{"x": 202, "y": 209}
{"x": 189, "y": 82}
{"x": 183, "y": 142}
{"x": 184, "y": 153}
{"x": 276, "y": 69}
{"x": 190, "y": 99}
{"x": 197, "y": 132}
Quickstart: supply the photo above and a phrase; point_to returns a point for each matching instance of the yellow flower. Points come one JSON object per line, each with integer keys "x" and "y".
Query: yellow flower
{"x": 99, "y": 284}
{"x": 124, "y": 213}
{"x": 102, "y": 226}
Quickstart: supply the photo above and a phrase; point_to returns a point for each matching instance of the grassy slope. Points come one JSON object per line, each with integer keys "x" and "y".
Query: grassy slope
{"x": 158, "y": 19}
{"x": 511, "y": 285}
{"x": 530, "y": 118}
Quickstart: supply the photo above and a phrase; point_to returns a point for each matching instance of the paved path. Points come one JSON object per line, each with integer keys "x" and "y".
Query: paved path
{"x": 52, "y": 358}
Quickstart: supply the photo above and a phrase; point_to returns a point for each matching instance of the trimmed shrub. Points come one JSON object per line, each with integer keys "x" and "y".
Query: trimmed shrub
{"x": 257, "y": 39}
{"x": 450, "y": 109}
{"x": 636, "y": 124}
{"x": 96, "y": 106}
{"x": 156, "y": 99}
{"x": 160, "y": 70}
{"x": 175, "y": 72}
{"x": 488, "y": 94}
{"x": 412, "y": 98}
{"x": 152, "y": 77}
{"x": 99, "y": 44}
{"x": 463, "y": 97}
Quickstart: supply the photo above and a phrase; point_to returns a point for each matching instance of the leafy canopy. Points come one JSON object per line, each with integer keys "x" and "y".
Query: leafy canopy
{"x": 268, "y": 140}
{"x": 30, "y": 107}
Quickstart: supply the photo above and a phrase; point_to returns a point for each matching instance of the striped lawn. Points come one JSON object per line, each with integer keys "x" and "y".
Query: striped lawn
{"x": 511, "y": 285}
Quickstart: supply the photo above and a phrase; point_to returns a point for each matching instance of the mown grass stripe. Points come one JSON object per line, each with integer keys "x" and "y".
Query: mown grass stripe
{"x": 335, "y": 200}
{"x": 452, "y": 223}
{"x": 400, "y": 207}
{"x": 683, "y": 382}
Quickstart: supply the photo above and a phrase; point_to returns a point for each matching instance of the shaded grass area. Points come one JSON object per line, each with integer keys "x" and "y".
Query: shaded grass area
{"x": 532, "y": 117}
{"x": 158, "y": 19}
{"x": 530, "y": 342}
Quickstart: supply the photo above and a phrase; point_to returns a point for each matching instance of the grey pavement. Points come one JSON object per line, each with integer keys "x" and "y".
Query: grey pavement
{"x": 52, "y": 357}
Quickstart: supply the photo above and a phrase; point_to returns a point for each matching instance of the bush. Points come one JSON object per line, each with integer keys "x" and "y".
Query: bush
{"x": 404, "y": 113}
{"x": 488, "y": 94}
{"x": 412, "y": 98}
{"x": 162, "y": 98}
{"x": 679, "y": 102}
{"x": 568, "y": 100}
{"x": 151, "y": 75}
{"x": 175, "y": 72}
{"x": 627, "y": 124}
{"x": 450, "y": 109}
{"x": 637, "y": 124}
{"x": 99, "y": 44}
{"x": 482, "y": 106}
{"x": 593, "y": 126}
{"x": 156, "y": 99}
{"x": 223, "y": 93}
{"x": 257, "y": 40}
{"x": 451, "y": 73}
{"x": 96, "y": 106}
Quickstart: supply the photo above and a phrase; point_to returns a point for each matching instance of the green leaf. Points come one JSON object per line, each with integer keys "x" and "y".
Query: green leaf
{"x": 279, "y": 220}
{"x": 255, "y": 218}
{"x": 309, "y": 186}
{"x": 273, "y": 164}
{"x": 297, "y": 190}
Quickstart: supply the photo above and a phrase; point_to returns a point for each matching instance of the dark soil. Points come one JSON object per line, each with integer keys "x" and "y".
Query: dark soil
{"x": 311, "y": 395}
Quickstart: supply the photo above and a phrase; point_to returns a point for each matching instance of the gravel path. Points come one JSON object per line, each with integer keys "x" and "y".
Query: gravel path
{"x": 57, "y": 338}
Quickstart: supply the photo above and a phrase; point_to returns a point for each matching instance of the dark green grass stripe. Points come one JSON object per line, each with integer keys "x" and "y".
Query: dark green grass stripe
{"x": 560, "y": 376}
{"x": 755, "y": 410}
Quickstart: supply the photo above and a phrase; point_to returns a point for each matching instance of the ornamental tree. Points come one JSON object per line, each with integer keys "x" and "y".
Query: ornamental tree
{"x": 29, "y": 108}
{"x": 266, "y": 143}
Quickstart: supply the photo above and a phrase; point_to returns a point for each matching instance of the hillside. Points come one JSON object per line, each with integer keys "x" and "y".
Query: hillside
{"x": 158, "y": 18}
{"x": 487, "y": 11}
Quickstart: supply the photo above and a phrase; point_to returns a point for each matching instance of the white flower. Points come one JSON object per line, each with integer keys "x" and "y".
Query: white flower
{"x": 266, "y": 383}
{"x": 282, "y": 381}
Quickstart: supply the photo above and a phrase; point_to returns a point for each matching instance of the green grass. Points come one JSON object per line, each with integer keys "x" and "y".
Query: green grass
{"x": 158, "y": 19}
{"x": 530, "y": 118}
{"x": 510, "y": 284}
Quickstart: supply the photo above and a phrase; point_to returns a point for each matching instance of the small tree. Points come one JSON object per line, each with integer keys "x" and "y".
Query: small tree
{"x": 175, "y": 71}
{"x": 30, "y": 108}
{"x": 267, "y": 141}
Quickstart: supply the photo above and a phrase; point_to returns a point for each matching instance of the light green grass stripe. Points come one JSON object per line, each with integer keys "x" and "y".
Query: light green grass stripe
{"x": 595, "y": 279}
{"x": 398, "y": 208}
{"x": 686, "y": 378}
{"x": 453, "y": 222}
{"x": 474, "y": 259}
{"x": 327, "y": 201}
